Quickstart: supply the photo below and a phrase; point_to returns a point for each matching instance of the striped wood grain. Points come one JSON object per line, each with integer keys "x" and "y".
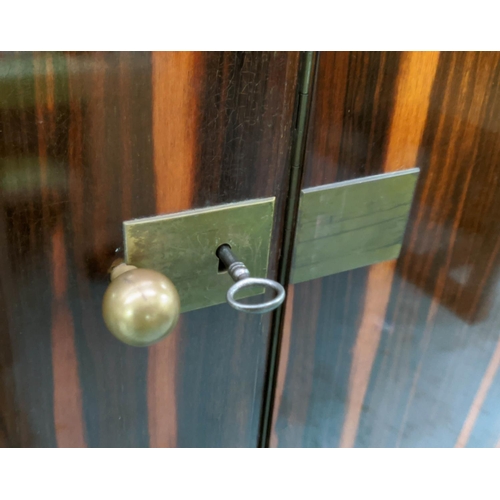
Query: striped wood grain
{"x": 403, "y": 353}
{"x": 88, "y": 140}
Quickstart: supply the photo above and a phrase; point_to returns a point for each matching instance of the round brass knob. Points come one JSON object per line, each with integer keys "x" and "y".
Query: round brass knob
{"x": 140, "y": 306}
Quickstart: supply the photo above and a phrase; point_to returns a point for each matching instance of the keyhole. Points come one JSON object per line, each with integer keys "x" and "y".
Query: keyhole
{"x": 221, "y": 268}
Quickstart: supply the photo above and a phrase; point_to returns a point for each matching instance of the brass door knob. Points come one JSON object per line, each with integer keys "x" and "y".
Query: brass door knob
{"x": 140, "y": 306}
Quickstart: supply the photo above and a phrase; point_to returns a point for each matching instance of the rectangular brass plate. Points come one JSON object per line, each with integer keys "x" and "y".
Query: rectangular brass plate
{"x": 182, "y": 246}
{"x": 351, "y": 224}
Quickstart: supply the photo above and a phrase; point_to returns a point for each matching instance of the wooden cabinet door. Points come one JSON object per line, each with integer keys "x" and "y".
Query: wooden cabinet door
{"x": 88, "y": 140}
{"x": 402, "y": 353}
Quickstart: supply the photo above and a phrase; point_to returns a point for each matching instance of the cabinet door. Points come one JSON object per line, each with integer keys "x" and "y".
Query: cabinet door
{"x": 403, "y": 353}
{"x": 88, "y": 140}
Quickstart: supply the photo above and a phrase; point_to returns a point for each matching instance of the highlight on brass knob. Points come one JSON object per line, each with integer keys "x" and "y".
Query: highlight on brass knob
{"x": 140, "y": 306}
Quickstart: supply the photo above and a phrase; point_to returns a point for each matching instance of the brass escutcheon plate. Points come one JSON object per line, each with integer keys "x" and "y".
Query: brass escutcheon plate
{"x": 182, "y": 246}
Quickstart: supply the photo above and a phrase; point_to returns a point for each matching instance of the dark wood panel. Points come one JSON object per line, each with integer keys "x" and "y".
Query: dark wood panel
{"x": 406, "y": 352}
{"x": 88, "y": 140}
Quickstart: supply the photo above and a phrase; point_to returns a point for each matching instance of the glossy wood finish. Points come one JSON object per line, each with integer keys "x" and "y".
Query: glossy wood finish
{"x": 88, "y": 140}
{"x": 407, "y": 352}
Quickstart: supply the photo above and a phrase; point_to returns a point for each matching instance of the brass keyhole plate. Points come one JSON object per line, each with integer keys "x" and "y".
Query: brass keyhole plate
{"x": 182, "y": 246}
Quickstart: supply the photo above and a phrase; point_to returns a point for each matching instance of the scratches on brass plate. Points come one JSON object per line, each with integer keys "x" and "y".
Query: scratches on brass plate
{"x": 351, "y": 224}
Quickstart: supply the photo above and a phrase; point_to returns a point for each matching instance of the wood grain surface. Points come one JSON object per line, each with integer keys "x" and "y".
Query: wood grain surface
{"x": 403, "y": 353}
{"x": 88, "y": 140}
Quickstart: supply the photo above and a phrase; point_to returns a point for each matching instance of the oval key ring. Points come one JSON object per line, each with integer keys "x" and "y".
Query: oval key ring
{"x": 241, "y": 275}
{"x": 263, "y": 307}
